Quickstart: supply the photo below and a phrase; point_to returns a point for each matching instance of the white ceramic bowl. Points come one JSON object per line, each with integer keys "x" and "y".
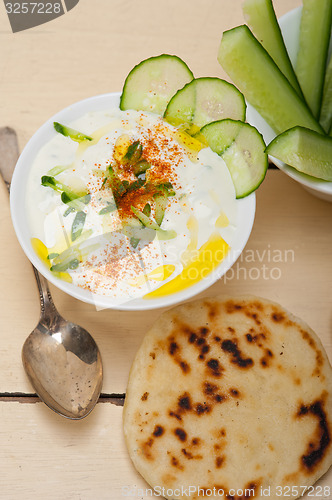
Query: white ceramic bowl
{"x": 290, "y": 27}
{"x": 18, "y": 195}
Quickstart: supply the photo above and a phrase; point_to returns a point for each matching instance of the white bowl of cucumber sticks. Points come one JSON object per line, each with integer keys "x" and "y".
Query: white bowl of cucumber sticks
{"x": 59, "y": 265}
{"x": 290, "y": 28}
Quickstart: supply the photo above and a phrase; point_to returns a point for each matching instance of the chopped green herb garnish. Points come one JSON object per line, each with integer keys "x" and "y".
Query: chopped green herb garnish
{"x": 147, "y": 210}
{"x": 141, "y": 167}
{"x": 74, "y": 264}
{"x": 134, "y": 242}
{"x": 133, "y": 154}
{"x": 108, "y": 209}
{"x": 75, "y": 199}
{"x": 77, "y": 226}
{"x": 68, "y": 211}
{"x": 57, "y": 170}
{"x": 52, "y": 255}
{"x": 160, "y": 200}
{"x": 75, "y": 135}
{"x": 166, "y": 188}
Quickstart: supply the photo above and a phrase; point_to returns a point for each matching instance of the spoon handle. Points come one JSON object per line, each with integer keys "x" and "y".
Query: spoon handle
{"x": 48, "y": 310}
{"x": 8, "y": 157}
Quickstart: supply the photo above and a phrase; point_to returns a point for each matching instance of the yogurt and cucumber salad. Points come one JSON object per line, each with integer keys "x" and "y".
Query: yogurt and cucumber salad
{"x": 133, "y": 202}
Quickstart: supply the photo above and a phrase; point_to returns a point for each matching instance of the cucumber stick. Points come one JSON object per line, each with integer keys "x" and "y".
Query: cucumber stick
{"x": 242, "y": 148}
{"x": 150, "y": 85}
{"x": 254, "y": 72}
{"x": 261, "y": 19}
{"x": 325, "y": 118}
{"x": 305, "y": 150}
{"x": 205, "y": 100}
{"x": 315, "y": 32}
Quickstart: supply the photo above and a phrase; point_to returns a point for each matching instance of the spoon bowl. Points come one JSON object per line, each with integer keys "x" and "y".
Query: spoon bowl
{"x": 62, "y": 361}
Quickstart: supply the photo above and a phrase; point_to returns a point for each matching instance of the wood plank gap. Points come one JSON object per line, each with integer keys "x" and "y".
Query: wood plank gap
{"x": 29, "y": 398}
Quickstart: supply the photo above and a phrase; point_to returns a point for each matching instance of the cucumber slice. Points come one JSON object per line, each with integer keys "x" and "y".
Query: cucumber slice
{"x": 264, "y": 86}
{"x": 205, "y": 100}
{"x": 242, "y": 148}
{"x": 304, "y": 150}
{"x": 315, "y": 33}
{"x": 151, "y": 84}
{"x": 261, "y": 18}
{"x": 325, "y": 118}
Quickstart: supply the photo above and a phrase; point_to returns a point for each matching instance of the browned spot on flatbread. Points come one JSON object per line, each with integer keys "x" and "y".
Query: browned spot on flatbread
{"x": 213, "y": 309}
{"x": 214, "y": 367}
{"x": 176, "y": 415}
{"x": 168, "y": 479}
{"x": 146, "y": 448}
{"x": 321, "y": 440}
{"x": 173, "y": 347}
{"x": 198, "y": 339}
{"x": 158, "y": 431}
{"x": 185, "y": 367}
{"x": 235, "y": 393}
{"x": 220, "y": 461}
{"x": 277, "y": 316}
{"x": 175, "y": 463}
{"x": 192, "y": 338}
{"x": 249, "y": 309}
{"x": 250, "y": 490}
{"x": 184, "y": 405}
{"x": 254, "y": 316}
{"x": 174, "y": 351}
{"x": 230, "y": 346}
{"x": 266, "y": 360}
{"x": 145, "y": 396}
{"x": 255, "y": 338}
{"x": 202, "y": 408}
{"x": 210, "y": 389}
{"x": 318, "y": 354}
{"x": 184, "y": 401}
{"x": 231, "y": 307}
{"x": 181, "y": 434}
{"x": 191, "y": 456}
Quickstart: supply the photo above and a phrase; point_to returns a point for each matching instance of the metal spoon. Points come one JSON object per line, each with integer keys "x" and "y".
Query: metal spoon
{"x": 60, "y": 358}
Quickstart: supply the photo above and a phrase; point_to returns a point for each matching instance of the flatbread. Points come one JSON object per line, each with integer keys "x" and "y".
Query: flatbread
{"x": 233, "y": 394}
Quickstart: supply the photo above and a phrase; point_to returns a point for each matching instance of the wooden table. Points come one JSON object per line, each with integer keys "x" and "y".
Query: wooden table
{"x": 86, "y": 52}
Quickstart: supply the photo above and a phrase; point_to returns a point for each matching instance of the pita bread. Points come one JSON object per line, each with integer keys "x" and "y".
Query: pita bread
{"x": 232, "y": 394}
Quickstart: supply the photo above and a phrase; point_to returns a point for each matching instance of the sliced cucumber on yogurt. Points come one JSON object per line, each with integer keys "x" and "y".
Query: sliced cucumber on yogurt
{"x": 242, "y": 148}
{"x": 305, "y": 150}
{"x": 150, "y": 85}
{"x": 205, "y": 100}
